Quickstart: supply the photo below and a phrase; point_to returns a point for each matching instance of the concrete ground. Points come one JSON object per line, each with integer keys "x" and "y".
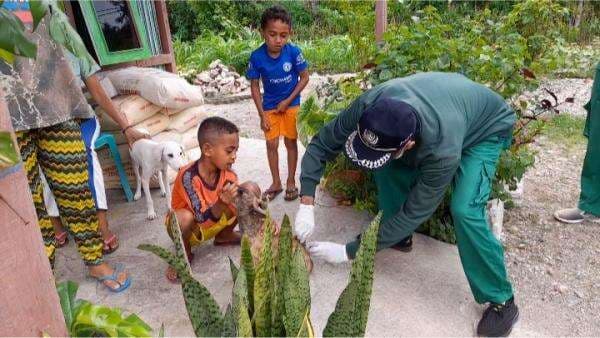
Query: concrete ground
{"x": 421, "y": 293}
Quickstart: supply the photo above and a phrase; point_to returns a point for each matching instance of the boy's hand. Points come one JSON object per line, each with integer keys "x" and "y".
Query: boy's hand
{"x": 229, "y": 193}
{"x": 264, "y": 124}
{"x": 282, "y": 106}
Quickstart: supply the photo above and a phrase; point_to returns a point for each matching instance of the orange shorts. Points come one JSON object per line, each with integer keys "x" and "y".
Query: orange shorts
{"x": 283, "y": 124}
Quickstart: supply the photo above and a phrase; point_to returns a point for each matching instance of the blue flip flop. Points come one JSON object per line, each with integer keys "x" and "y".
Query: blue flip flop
{"x": 115, "y": 278}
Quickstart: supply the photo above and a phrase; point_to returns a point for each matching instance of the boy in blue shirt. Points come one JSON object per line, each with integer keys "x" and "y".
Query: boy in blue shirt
{"x": 283, "y": 71}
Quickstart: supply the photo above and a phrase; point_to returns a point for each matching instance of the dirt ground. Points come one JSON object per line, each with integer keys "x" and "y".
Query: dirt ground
{"x": 555, "y": 268}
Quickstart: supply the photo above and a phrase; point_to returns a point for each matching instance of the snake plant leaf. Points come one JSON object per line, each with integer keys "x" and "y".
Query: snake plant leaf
{"x": 296, "y": 293}
{"x": 240, "y": 306}
{"x": 234, "y": 269}
{"x": 281, "y": 272}
{"x": 229, "y": 329}
{"x": 247, "y": 264}
{"x": 306, "y": 330}
{"x": 203, "y": 309}
{"x": 352, "y": 308}
{"x": 263, "y": 284}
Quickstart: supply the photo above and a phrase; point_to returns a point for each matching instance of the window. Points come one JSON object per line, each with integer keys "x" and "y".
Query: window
{"x": 117, "y": 31}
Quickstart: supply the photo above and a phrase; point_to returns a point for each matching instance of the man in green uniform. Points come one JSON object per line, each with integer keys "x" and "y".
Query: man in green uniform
{"x": 589, "y": 199}
{"x": 421, "y": 134}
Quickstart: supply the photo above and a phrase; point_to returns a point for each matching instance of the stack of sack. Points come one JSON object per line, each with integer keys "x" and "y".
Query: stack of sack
{"x": 155, "y": 102}
{"x": 220, "y": 80}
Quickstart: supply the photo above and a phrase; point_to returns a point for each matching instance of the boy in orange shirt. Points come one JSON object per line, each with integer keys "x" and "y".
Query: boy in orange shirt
{"x": 204, "y": 191}
{"x": 283, "y": 71}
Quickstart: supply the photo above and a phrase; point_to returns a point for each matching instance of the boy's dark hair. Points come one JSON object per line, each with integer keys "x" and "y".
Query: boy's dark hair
{"x": 213, "y": 127}
{"x": 275, "y": 13}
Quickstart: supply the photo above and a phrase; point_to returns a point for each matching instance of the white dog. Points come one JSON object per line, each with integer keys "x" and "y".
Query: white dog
{"x": 154, "y": 158}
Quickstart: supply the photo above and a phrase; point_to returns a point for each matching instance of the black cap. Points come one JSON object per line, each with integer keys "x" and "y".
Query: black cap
{"x": 383, "y": 129}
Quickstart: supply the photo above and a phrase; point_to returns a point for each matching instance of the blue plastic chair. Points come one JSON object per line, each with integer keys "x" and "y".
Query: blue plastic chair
{"x": 108, "y": 140}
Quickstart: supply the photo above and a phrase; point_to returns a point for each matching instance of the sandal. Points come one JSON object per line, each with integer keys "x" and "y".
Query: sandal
{"x": 62, "y": 239}
{"x": 270, "y": 194}
{"x": 110, "y": 245}
{"x": 115, "y": 278}
{"x": 291, "y": 194}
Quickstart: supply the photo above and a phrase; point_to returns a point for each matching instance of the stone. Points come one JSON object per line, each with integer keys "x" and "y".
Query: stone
{"x": 215, "y": 64}
{"x": 561, "y": 288}
{"x": 214, "y": 72}
{"x": 227, "y": 80}
{"x": 204, "y": 77}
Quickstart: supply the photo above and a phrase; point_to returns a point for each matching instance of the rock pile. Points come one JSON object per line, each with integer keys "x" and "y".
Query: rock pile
{"x": 219, "y": 80}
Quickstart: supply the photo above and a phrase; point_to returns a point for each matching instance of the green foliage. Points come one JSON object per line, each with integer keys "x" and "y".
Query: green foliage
{"x": 330, "y": 55}
{"x": 202, "y": 308}
{"x": 263, "y": 284}
{"x": 8, "y": 151}
{"x": 12, "y": 38}
{"x": 566, "y": 130}
{"x": 234, "y": 269}
{"x": 296, "y": 293}
{"x": 248, "y": 266}
{"x": 352, "y": 309}
{"x": 84, "y": 319}
{"x": 580, "y": 61}
{"x": 507, "y": 51}
{"x": 487, "y": 51}
{"x": 281, "y": 289}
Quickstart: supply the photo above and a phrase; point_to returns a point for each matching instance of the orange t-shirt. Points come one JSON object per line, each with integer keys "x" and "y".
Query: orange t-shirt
{"x": 192, "y": 193}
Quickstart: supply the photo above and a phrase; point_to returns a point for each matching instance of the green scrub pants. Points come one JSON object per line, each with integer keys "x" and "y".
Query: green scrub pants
{"x": 481, "y": 254}
{"x": 589, "y": 200}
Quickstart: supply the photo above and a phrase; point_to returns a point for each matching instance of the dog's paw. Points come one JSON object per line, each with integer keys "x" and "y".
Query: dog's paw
{"x": 137, "y": 196}
{"x": 151, "y": 215}
{"x": 163, "y": 193}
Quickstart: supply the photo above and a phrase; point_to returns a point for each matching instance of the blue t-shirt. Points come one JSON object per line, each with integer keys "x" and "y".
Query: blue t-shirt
{"x": 279, "y": 75}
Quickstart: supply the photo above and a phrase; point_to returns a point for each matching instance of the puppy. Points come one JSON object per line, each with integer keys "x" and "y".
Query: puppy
{"x": 153, "y": 158}
{"x": 252, "y": 211}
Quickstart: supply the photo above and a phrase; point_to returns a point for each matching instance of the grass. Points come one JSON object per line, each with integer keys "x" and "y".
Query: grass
{"x": 334, "y": 54}
{"x": 580, "y": 61}
{"x": 566, "y": 130}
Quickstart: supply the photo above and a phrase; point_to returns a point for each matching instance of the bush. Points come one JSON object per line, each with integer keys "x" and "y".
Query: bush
{"x": 507, "y": 55}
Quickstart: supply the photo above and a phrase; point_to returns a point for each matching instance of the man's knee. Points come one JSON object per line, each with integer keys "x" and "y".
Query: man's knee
{"x": 463, "y": 210}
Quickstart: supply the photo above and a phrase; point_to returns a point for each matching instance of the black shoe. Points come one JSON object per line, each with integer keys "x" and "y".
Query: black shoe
{"x": 498, "y": 319}
{"x": 404, "y": 245}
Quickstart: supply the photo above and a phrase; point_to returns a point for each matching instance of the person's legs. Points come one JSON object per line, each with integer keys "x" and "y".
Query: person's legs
{"x": 272, "y": 141}
{"x": 589, "y": 199}
{"x": 27, "y": 141}
{"x": 90, "y": 130}
{"x": 273, "y": 158}
{"x": 61, "y": 235}
{"x": 62, "y": 158}
{"x": 291, "y": 145}
{"x": 480, "y": 252}
{"x": 290, "y": 134}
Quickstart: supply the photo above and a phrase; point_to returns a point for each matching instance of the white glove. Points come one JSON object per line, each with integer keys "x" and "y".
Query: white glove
{"x": 305, "y": 222}
{"x": 331, "y": 252}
